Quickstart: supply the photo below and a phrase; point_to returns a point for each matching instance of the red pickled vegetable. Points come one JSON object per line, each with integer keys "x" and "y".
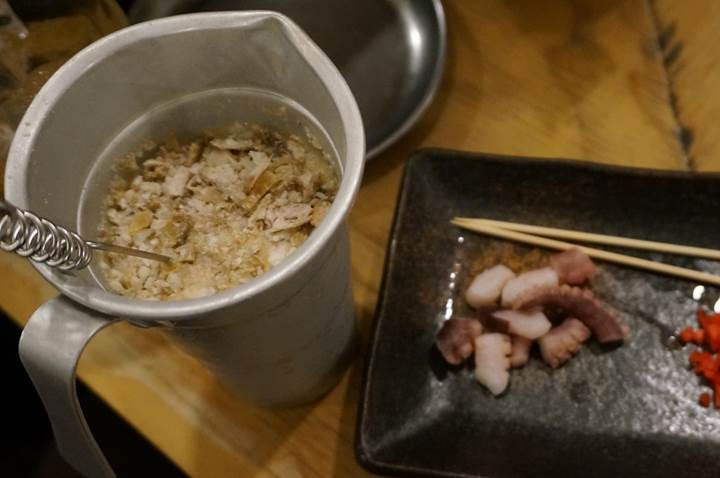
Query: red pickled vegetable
{"x": 690, "y": 335}
{"x": 712, "y": 336}
{"x": 704, "y": 319}
{"x": 686, "y": 336}
{"x": 705, "y": 360}
{"x": 704, "y": 399}
{"x": 703, "y": 364}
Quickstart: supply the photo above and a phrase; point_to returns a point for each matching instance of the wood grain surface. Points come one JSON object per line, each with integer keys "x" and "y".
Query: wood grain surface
{"x": 688, "y": 32}
{"x": 614, "y": 81}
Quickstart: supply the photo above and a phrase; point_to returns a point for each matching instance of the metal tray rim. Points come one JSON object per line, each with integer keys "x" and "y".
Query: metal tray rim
{"x": 430, "y": 93}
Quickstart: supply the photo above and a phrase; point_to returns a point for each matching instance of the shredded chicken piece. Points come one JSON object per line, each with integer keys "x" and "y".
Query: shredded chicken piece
{"x": 226, "y": 208}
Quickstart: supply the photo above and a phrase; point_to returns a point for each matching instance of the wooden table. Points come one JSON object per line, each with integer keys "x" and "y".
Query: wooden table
{"x": 615, "y": 81}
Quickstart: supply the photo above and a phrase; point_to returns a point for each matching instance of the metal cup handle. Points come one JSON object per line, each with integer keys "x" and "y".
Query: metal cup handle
{"x": 50, "y": 347}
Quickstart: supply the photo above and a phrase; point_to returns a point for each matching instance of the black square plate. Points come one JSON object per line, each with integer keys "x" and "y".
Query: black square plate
{"x": 629, "y": 412}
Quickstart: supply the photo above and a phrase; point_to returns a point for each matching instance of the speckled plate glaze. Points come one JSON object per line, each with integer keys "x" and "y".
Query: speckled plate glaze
{"x": 628, "y": 411}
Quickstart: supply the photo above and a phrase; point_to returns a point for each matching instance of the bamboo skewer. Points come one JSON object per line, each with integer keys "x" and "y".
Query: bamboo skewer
{"x": 483, "y": 227}
{"x": 599, "y": 238}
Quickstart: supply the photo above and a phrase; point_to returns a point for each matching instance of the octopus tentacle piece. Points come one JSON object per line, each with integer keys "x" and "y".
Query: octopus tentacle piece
{"x": 573, "y": 266}
{"x": 576, "y": 302}
{"x": 520, "y": 351}
{"x": 456, "y": 338}
{"x": 545, "y": 277}
{"x": 562, "y": 342}
{"x": 486, "y": 287}
{"x": 530, "y": 324}
{"x": 492, "y": 361}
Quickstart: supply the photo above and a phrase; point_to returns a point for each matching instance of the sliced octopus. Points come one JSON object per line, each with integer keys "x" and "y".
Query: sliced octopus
{"x": 492, "y": 361}
{"x": 486, "y": 287}
{"x": 456, "y": 338}
{"x": 562, "y": 342}
{"x": 520, "y": 351}
{"x": 530, "y": 324}
{"x": 576, "y": 302}
{"x": 531, "y": 280}
{"x": 573, "y": 266}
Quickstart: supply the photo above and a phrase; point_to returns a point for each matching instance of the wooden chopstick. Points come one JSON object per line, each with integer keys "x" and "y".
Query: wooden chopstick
{"x": 599, "y": 238}
{"x": 484, "y": 228}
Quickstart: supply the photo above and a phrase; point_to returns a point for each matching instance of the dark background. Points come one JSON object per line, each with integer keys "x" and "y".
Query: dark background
{"x": 27, "y": 446}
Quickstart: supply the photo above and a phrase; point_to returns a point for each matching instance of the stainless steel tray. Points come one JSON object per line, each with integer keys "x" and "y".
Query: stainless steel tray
{"x": 391, "y": 52}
